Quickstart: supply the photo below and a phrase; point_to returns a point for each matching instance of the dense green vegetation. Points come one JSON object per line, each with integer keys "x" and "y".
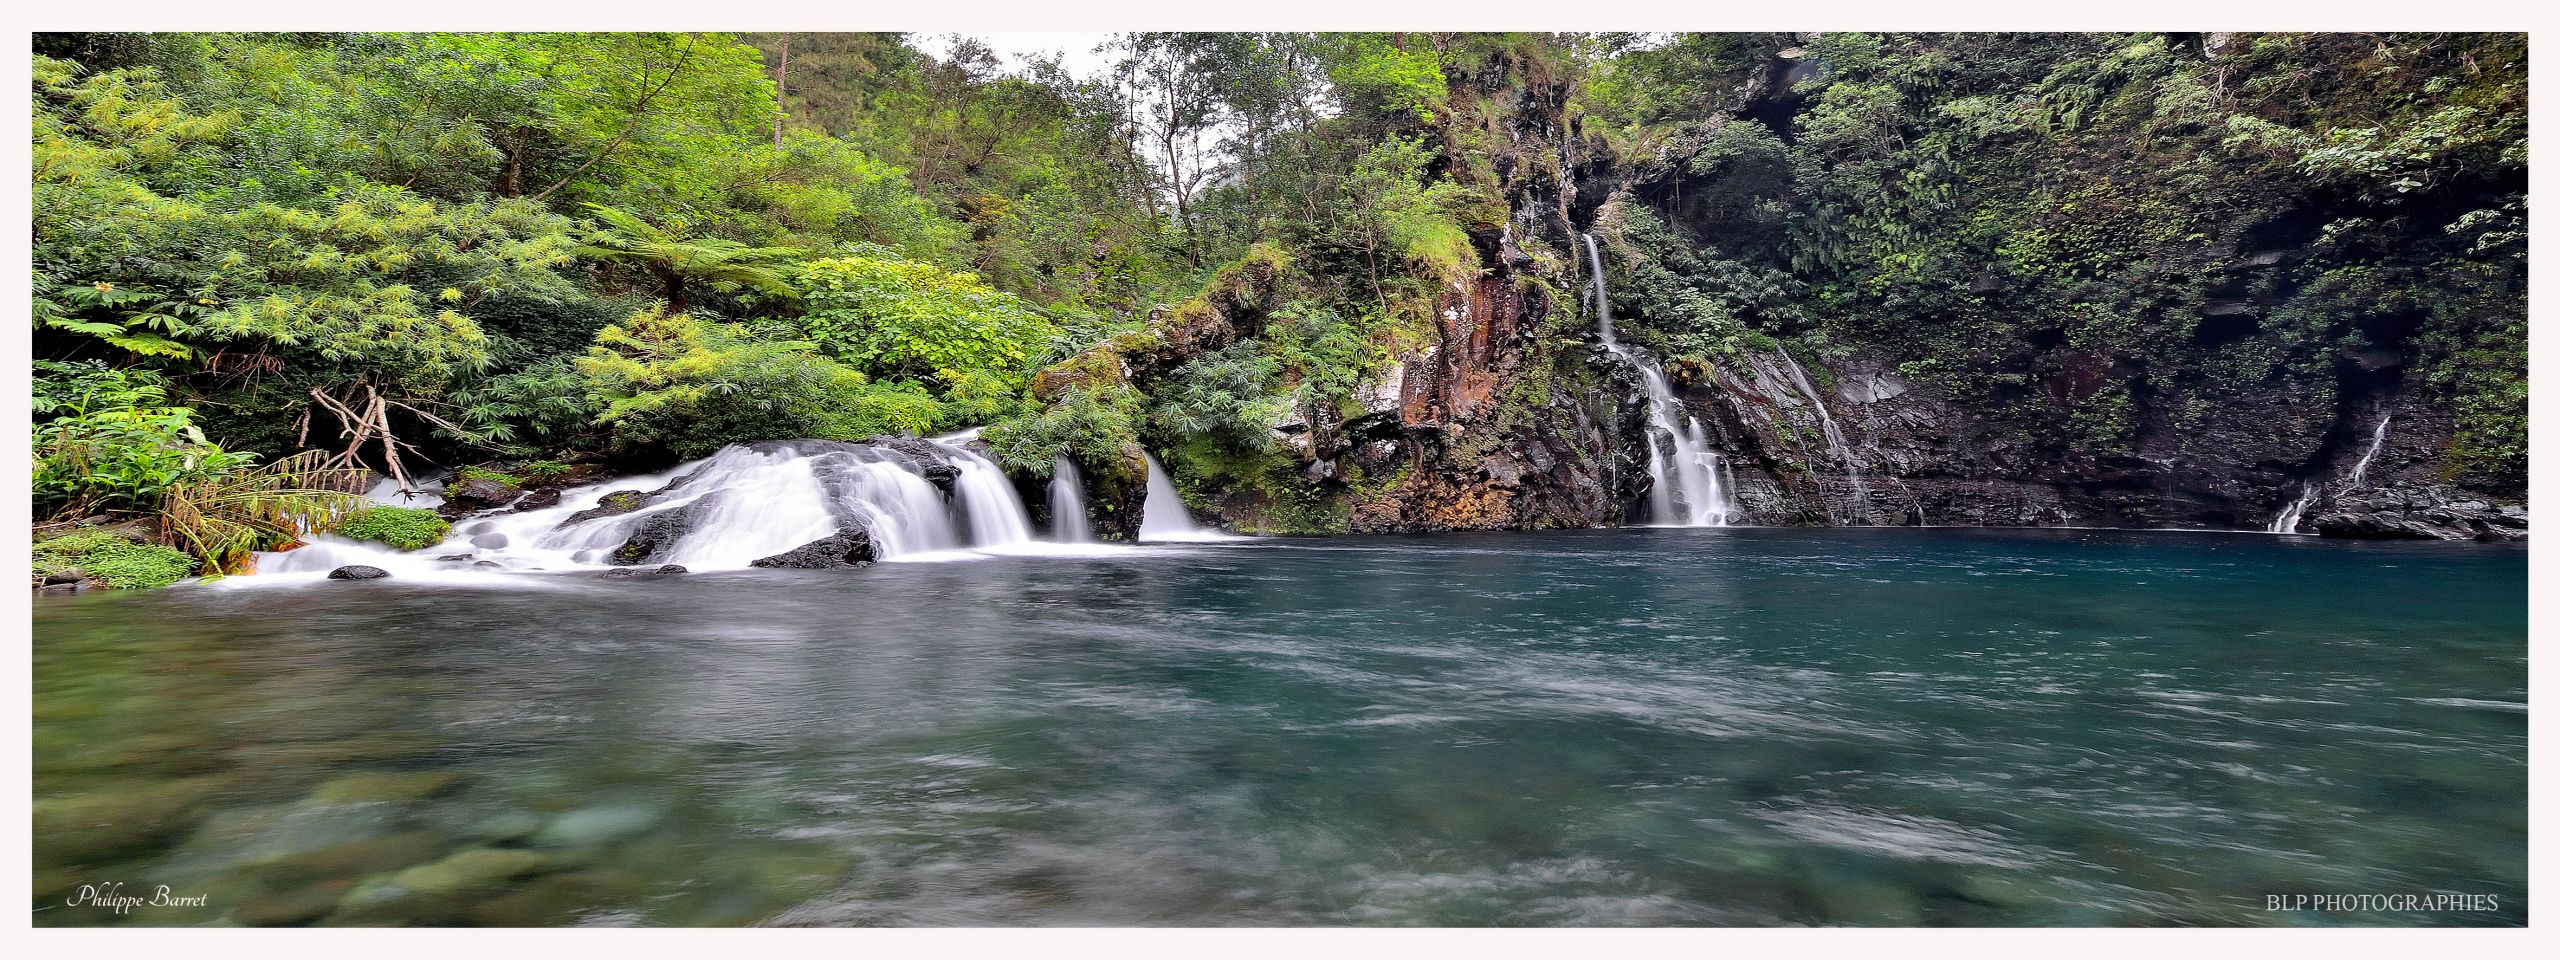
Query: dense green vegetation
{"x": 116, "y": 561}
{"x": 2069, "y": 229}
{"x": 264, "y": 263}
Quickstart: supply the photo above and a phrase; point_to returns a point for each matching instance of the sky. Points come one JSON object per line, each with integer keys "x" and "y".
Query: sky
{"x": 1075, "y": 48}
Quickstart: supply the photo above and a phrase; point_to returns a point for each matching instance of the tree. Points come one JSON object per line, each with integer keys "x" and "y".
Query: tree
{"x": 674, "y": 261}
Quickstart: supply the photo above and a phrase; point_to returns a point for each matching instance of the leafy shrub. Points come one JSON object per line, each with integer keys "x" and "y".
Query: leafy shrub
{"x": 112, "y": 560}
{"x": 399, "y": 527}
{"x": 673, "y": 383}
{"x": 1094, "y": 426}
{"x": 1226, "y": 395}
{"x": 901, "y": 320}
{"x": 1375, "y": 74}
{"x": 112, "y": 443}
{"x": 1399, "y": 211}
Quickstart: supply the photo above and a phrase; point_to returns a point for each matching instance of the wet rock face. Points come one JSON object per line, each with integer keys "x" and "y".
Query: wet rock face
{"x": 654, "y": 535}
{"x": 1920, "y": 458}
{"x": 472, "y": 496}
{"x": 613, "y": 504}
{"x": 851, "y": 546}
{"x": 2419, "y": 513}
{"x": 358, "y": 571}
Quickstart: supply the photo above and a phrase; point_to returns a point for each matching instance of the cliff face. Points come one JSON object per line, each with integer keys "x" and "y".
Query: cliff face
{"x": 1912, "y": 457}
{"x": 2056, "y": 330}
{"x": 2128, "y": 316}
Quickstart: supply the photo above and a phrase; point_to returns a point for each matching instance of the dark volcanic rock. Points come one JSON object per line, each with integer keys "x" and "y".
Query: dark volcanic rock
{"x": 930, "y": 460}
{"x": 480, "y": 494}
{"x": 851, "y": 546}
{"x": 538, "y": 500}
{"x": 2419, "y": 513}
{"x": 657, "y": 532}
{"x": 358, "y": 571}
{"x": 613, "y": 504}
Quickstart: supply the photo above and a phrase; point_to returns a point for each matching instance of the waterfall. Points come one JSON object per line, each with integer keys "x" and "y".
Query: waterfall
{"x": 2355, "y": 478}
{"x": 744, "y": 503}
{"x": 2289, "y": 519}
{"x": 1165, "y": 518}
{"x": 2291, "y": 516}
{"x": 1859, "y": 504}
{"x": 1066, "y": 504}
{"x": 995, "y": 512}
{"x": 1688, "y": 486}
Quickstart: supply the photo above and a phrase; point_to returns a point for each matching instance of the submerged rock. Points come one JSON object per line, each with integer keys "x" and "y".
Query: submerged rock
{"x": 441, "y": 892}
{"x": 358, "y": 571}
{"x": 387, "y": 786}
{"x": 673, "y": 568}
{"x": 95, "y": 827}
{"x": 596, "y": 826}
{"x": 851, "y": 546}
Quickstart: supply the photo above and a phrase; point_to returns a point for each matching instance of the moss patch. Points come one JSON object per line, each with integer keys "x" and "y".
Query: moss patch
{"x": 112, "y": 560}
{"x": 399, "y": 527}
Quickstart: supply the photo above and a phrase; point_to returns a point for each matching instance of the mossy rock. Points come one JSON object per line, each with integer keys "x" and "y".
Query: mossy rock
{"x": 387, "y": 787}
{"x": 401, "y": 528}
{"x": 106, "y": 558}
{"x": 96, "y": 827}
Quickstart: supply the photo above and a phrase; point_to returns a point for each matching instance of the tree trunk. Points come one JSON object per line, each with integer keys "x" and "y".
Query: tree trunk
{"x": 672, "y": 284}
{"x": 781, "y": 84}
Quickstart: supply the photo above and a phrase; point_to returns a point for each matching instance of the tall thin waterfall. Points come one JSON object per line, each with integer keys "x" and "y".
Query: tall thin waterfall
{"x": 1859, "y": 503}
{"x": 2355, "y": 478}
{"x": 1688, "y": 484}
{"x": 1067, "y": 520}
{"x": 1166, "y": 518}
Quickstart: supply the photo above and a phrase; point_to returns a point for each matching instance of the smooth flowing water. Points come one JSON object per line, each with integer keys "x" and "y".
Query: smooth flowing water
{"x": 1688, "y": 485}
{"x": 1163, "y": 518}
{"x": 1066, "y": 503}
{"x": 1648, "y": 726}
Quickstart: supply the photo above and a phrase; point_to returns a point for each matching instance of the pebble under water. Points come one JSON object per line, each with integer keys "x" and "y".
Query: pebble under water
{"x": 1656, "y": 727}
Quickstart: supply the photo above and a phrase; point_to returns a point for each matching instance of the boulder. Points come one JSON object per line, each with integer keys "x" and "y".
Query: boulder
{"x": 466, "y": 496}
{"x": 2427, "y": 512}
{"x": 613, "y": 504}
{"x": 596, "y": 826}
{"x": 850, "y": 546}
{"x": 489, "y": 541}
{"x": 540, "y": 499}
{"x": 673, "y": 568}
{"x": 358, "y": 571}
{"x": 656, "y": 533}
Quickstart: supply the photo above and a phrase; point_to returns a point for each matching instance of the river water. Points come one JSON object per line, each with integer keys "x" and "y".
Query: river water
{"x": 1668, "y": 727}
